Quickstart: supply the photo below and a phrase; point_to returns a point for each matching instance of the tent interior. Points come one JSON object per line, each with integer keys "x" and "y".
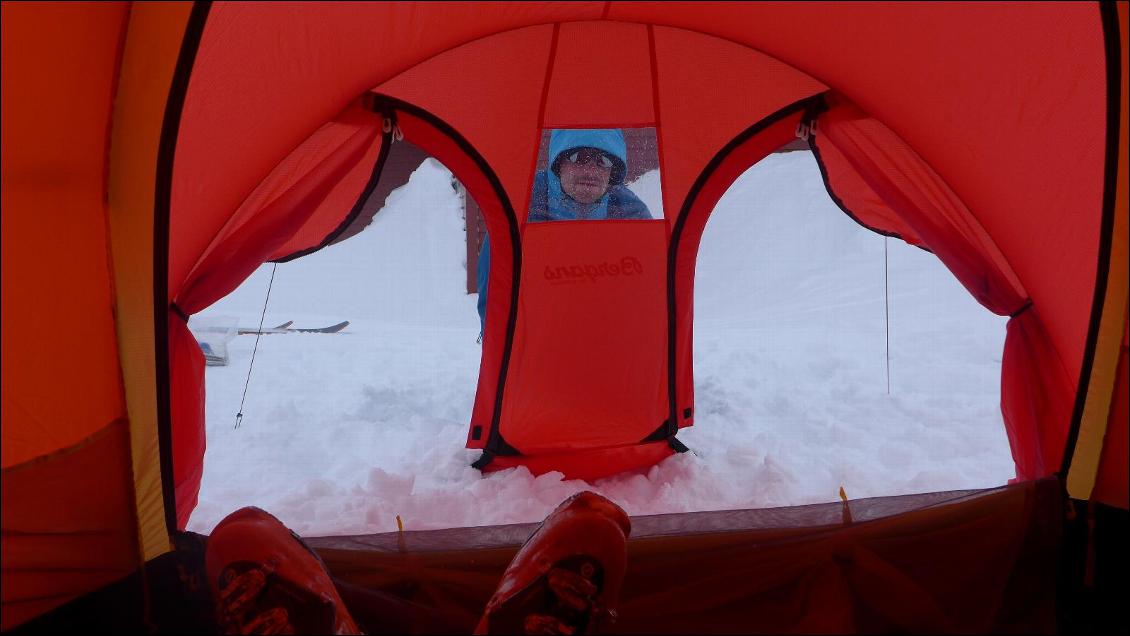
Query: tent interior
{"x": 215, "y": 137}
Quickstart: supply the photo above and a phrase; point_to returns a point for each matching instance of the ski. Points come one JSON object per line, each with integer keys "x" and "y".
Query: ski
{"x": 331, "y": 329}
{"x": 277, "y": 329}
{"x": 286, "y": 328}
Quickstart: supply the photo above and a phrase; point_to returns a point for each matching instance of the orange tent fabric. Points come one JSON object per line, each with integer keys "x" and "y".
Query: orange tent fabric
{"x": 65, "y": 532}
{"x": 54, "y": 217}
{"x": 277, "y": 116}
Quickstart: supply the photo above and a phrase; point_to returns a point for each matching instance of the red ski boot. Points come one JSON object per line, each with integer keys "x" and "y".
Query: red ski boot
{"x": 265, "y": 580}
{"x": 566, "y": 578}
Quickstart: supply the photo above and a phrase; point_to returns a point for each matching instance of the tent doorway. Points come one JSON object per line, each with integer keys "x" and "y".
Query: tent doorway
{"x": 796, "y": 308}
{"x": 338, "y": 427}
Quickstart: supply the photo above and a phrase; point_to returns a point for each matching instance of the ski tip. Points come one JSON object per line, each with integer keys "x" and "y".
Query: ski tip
{"x": 331, "y": 329}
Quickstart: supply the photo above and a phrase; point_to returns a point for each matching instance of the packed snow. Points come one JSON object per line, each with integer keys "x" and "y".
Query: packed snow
{"x": 341, "y": 433}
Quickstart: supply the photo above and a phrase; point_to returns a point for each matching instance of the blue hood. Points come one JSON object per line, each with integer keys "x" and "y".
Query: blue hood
{"x": 610, "y": 140}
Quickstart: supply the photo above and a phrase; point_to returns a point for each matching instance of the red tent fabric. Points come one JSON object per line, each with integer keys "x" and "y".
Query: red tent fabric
{"x": 895, "y": 168}
{"x": 530, "y": 355}
{"x": 498, "y": 102}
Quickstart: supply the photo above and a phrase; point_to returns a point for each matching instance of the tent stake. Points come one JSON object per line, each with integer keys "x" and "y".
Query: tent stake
{"x": 258, "y": 334}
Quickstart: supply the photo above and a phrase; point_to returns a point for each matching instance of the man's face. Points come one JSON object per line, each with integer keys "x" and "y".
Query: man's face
{"x": 584, "y": 174}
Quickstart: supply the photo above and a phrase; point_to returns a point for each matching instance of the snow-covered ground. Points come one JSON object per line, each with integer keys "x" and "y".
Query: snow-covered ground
{"x": 342, "y": 433}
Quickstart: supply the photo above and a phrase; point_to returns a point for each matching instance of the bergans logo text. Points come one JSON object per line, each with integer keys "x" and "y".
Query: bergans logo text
{"x": 627, "y": 266}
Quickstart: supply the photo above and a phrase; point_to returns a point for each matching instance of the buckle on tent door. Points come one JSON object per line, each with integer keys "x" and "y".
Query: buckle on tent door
{"x": 805, "y": 128}
{"x": 390, "y": 126}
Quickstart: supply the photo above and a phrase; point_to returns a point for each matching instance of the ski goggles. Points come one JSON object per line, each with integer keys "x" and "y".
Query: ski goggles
{"x": 582, "y": 156}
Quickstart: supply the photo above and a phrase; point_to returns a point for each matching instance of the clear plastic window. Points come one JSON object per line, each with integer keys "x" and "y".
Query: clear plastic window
{"x": 589, "y": 174}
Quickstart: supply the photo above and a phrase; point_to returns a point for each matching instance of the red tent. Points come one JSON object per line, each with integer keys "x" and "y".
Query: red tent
{"x": 154, "y": 155}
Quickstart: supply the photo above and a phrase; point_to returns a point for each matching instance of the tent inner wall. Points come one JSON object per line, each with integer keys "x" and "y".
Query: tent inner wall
{"x": 54, "y": 215}
{"x": 69, "y": 510}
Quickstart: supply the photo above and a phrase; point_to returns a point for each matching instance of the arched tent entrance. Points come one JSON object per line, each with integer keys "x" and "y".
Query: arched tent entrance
{"x": 544, "y": 400}
{"x": 182, "y": 181}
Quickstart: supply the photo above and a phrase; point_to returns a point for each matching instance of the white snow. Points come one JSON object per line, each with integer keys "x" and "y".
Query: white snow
{"x": 342, "y": 433}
